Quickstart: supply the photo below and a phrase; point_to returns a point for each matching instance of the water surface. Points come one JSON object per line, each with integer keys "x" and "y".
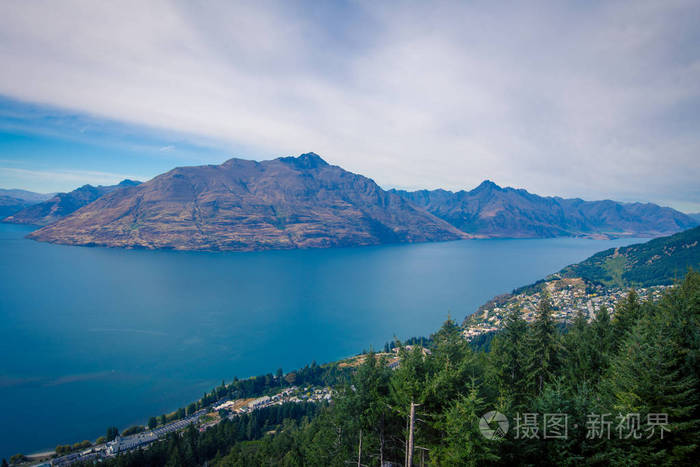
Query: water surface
{"x": 92, "y": 337}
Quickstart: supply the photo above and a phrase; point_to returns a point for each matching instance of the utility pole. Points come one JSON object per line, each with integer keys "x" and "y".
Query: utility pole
{"x": 411, "y": 424}
{"x": 359, "y": 450}
{"x": 405, "y": 451}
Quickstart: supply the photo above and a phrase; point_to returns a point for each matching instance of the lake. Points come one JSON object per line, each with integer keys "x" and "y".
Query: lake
{"x": 93, "y": 337}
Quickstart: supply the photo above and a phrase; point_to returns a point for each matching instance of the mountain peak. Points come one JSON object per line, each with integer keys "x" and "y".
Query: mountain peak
{"x": 487, "y": 185}
{"x": 128, "y": 182}
{"x": 309, "y": 160}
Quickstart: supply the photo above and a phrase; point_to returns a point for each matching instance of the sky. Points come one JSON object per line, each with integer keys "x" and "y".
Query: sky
{"x": 598, "y": 100}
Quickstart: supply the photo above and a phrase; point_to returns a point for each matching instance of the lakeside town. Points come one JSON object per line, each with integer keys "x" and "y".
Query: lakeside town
{"x": 202, "y": 419}
{"x": 568, "y": 297}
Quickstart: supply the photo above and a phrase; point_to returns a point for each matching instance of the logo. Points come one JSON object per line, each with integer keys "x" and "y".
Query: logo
{"x": 493, "y": 425}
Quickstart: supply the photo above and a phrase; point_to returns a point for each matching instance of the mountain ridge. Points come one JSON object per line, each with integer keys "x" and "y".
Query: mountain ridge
{"x": 503, "y": 212}
{"x": 63, "y": 204}
{"x": 305, "y": 202}
{"x": 243, "y": 205}
{"x": 14, "y": 200}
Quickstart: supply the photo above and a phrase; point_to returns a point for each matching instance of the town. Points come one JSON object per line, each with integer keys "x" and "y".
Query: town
{"x": 203, "y": 419}
{"x": 567, "y": 296}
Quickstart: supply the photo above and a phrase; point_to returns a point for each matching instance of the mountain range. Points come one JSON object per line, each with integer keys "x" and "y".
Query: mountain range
{"x": 491, "y": 211}
{"x": 63, "y": 204}
{"x": 304, "y": 202}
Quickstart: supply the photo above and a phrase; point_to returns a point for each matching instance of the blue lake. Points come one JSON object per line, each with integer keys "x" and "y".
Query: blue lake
{"x": 93, "y": 337}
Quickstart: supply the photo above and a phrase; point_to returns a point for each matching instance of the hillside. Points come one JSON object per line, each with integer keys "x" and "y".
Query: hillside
{"x": 289, "y": 202}
{"x": 492, "y": 211}
{"x": 657, "y": 262}
{"x": 602, "y": 279}
{"x": 63, "y": 204}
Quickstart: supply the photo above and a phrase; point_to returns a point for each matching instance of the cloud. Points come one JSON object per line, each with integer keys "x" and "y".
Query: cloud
{"x": 591, "y": 100}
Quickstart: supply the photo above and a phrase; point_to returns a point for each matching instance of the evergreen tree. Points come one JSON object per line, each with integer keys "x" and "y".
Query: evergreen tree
{"x": 112, "y": 432}
{"x": 463, "y": 443}
{"x": 542, "y": 348}
{"x": 577, "y": 347}
{"x": 601, "y": 343}
{"x": 508, "y": 362}
{"x": 626, "y": 315}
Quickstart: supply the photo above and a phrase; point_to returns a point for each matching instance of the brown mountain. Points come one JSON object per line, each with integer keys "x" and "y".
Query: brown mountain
{"x": 289, "y": 202}
{"x": 63, "y": 204}
{"x": 492, "y": 211}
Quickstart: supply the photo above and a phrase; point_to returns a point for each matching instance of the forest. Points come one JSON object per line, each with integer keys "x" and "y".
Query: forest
{"x": 619, "y": 389}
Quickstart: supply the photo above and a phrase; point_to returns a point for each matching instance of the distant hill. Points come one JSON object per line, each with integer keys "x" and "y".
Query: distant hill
{"x": 491, "y": 211}
{"x": 12, "y": 201}
{"x": 10, "y": 205}
{"x": 63, "y": 204}
{"x": 289, "y": 202}
{"x": 657, "y": 262}
{"x": 24, "y": 195}
{"x": 695, "y": 216}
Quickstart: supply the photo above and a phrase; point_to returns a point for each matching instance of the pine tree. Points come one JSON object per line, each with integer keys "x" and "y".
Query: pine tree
{"x": 542, "y": 348}
{"x": 463, "y": 443}
{"x": 507, "y": 357}
{"x": 601, "y": 343}
{"x": 626, "y": 315}
{"x": 576, "y": 350}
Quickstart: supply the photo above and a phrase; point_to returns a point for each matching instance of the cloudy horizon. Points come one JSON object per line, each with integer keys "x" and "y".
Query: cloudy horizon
{"x": 589, "y": 100}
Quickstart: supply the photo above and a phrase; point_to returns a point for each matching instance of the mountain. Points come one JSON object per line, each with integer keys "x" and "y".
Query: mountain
{"x": 491, "y": 211}
{"x": 12, "y": 201}
{"x": 657, "y": 262}
{"x": 695, "y": 216}
{"x": 27, "y": 196}
{"x": 63, "y": 204}
{"x": 289, "y": 202}
{"x": 10, "y": 205}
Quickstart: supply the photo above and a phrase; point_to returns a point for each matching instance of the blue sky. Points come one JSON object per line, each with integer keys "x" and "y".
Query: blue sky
{"x": 47, "y": 149}
{"x": 579, "y": 99}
